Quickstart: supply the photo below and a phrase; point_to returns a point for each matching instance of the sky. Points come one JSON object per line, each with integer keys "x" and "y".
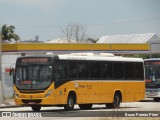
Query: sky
{"x": 100, "y": 18}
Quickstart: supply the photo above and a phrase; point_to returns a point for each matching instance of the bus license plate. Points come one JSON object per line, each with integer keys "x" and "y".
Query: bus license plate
{"x": 151, "y": 94}
{"x": 31, "y": 103}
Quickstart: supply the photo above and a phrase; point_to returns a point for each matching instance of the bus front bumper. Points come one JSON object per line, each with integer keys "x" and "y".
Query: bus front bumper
{"x": 30, "y": 102}
{"x": 152, "y": 94}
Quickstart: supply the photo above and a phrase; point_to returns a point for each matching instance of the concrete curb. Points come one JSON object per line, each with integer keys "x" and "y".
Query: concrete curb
{"x": 8, "y": 103}
{"x": 10, "y": 106}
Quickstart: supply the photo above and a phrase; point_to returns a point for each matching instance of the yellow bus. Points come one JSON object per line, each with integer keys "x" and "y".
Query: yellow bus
{"x": 83, "y": 78}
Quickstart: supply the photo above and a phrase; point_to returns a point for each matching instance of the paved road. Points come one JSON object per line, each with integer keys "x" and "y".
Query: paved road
{"x": 135, "y": 108}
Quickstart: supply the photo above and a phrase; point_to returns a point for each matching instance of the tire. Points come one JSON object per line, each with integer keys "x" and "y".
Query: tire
{"x": 156, "y": 99}
{"x": 85, "y": 106}
{"x": 70, "y": 103}
{"x": 36, "y": 108}
{"x": 116, "y": 102}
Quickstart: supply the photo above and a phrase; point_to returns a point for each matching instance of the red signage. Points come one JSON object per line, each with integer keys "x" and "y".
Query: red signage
{"x": 152, "y": 63}
{"x": 148, "y": 80}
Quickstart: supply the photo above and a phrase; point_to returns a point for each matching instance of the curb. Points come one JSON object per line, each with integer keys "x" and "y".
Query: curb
{"x": 10, "y": 106}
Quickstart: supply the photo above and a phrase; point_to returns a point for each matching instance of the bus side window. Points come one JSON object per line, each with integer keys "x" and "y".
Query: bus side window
{"x": 95, "y": 70}
{"x": 107, "y": 70}
{"x": 83, "y": 70}
{"x": 129, "y": 71}
{"x": 60, "y": 73}
{"x": 139, "y": 72}
{"x": 118, "y": 70}
{"x": 72, "y": 70}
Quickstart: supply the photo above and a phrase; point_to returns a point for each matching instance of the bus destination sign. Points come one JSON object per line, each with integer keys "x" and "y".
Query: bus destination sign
{"x": 34, "y": 60}
{"x": 152, "y": 63}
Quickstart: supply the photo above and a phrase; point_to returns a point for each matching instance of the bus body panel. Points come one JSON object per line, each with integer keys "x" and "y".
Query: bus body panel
{"x": 88, "y": 92}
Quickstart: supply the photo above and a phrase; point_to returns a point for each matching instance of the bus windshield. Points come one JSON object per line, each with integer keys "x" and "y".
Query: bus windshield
{"x": 33, "y": 77}
{"x": 152, "y": 72}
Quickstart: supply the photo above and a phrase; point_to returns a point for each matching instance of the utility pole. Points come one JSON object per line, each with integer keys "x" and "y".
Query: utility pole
{"x": 1, "y": 81}
{"x": 150, "y": 50}
{"x": 1, "y": 97}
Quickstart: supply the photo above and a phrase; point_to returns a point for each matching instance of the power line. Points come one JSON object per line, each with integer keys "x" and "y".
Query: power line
{"x": 90, "y": 25}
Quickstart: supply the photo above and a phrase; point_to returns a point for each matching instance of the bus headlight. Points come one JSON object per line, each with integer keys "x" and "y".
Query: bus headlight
{"x": 48, "y": 93}
{"x": 16, "y": 94}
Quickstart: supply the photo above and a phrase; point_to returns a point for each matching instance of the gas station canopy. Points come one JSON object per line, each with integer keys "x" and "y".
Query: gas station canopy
{"x": 76, "y": 47}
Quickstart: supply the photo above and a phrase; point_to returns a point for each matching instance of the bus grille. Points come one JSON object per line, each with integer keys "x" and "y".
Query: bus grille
{"x": 29, "y": 101}
{"x": 152, "y": 85}
{"x": 29, "y": 92}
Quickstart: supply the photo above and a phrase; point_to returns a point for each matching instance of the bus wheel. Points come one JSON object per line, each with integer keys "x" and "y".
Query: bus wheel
{"x": 116, "y": 102}
{"x": 156, "y": 99}
{"x": 70, "y": 103}
{"x": 85, "y": 106}
{"x": 36, "y": 108}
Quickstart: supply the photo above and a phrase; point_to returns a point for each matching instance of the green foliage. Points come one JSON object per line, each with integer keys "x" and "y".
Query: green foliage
{"x": 7, "y": 33}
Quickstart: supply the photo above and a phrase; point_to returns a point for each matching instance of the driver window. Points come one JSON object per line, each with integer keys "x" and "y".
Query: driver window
{"x": 60, "y": 74}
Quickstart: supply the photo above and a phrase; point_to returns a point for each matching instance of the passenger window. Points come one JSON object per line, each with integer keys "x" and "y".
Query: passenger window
{"x": 118, "y": 71}
{"x": 139, "y": 73}
{"x": 95, "y": 69}
{"x": 61, "y": 72}
{"x": 83, "y": 70}
{"x": 129, "y": 71}
{"x": 107, "y": 70}
{"x": 72, "y": 70}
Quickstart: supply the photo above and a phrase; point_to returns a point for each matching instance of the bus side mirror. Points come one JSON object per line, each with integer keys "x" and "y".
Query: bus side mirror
{"x": 11, "y": 71}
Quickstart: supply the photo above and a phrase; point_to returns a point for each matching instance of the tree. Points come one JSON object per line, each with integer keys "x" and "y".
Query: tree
{"x": 36, "y": 38}
{"x": 0, "y": 37}
{"x": 7, "y": 33}
{"x": 74, "y": 32}
{"x": 67, "y": 32}
{"x": 79, "y": 33}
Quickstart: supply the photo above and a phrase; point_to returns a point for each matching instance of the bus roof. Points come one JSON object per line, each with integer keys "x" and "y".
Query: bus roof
{"x": 99, "y": 58}
{"x": 152, "y": 59}
{"x": 92, "y": 57}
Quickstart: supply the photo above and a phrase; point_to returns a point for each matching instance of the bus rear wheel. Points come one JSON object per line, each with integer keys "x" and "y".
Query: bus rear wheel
{"x": 85, "y": 106}
{"x": 116, "y": 102}
{"x": 36, "y": 108}
{"x": 70, "y": 103}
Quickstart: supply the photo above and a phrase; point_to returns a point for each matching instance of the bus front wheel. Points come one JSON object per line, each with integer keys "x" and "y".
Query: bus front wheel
{"x": 70, "y": 103}
{"x": 36, "y": 108}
